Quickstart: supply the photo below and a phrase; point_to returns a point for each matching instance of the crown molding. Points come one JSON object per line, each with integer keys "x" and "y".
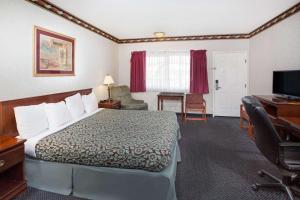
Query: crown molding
{"x": 70, "y": 17}
{"x": 186, "y": 38}
{"x": 45, "y": 4}
{"x": 289, "y": 12}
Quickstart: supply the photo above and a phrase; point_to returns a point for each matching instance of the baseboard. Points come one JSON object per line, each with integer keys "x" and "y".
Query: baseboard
{"x": 194, "y": 114}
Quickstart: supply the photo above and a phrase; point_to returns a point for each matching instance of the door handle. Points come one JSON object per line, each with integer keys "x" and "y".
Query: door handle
{"x": 217, "y": 85}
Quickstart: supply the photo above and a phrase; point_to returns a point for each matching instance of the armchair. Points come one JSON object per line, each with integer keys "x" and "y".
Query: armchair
{"x": 122, "y": 93}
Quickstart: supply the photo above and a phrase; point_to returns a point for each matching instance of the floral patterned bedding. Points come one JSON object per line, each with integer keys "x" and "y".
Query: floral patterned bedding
{"x": 115, "y": 138}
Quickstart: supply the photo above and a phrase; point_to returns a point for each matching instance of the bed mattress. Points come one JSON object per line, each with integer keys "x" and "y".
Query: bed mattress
{"x": 115, "y": 138}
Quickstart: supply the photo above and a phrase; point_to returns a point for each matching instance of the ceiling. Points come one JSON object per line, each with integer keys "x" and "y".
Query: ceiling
{"x": 126, "y": 19}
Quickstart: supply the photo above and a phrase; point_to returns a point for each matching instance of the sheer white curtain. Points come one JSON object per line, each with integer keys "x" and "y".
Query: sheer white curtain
{"x": 168, "y": 71}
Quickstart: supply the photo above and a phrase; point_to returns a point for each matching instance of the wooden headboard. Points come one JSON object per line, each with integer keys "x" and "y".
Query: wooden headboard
{"x": 7, "y": 116}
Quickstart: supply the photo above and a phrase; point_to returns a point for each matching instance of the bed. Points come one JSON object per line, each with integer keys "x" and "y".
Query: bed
{"x": 109, "y": 154}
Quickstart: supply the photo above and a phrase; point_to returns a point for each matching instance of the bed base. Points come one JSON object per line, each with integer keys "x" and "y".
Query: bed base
{"x": 103, "y": 182}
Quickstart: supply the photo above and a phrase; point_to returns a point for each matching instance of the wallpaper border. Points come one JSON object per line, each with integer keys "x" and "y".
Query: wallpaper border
{"x": 69, "y": 16}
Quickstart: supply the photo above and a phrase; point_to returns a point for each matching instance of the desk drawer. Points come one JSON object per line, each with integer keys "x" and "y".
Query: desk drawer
{"x": 11, "y": 157}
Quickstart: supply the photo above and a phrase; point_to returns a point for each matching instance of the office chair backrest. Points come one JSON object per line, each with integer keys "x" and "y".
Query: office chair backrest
{"x": 266, "y": 137}
{"x": 250, "y": 103}
{"x": 252, "y": 100}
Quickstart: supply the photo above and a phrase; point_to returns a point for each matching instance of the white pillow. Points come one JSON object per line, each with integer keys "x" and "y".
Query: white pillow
{"x": 57, "y": 114}
{"x": 90, "y": 102}
{"x": 31, "y": 120}
{"x": 75, "y": 105}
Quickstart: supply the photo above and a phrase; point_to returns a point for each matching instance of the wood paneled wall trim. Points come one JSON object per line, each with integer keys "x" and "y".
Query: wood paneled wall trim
{"x": 67, "y": 15}
{"x": 7, "y": 116}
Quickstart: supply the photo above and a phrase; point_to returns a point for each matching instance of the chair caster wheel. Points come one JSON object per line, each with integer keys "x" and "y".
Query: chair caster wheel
{"x": 260, "y": 173}
{"x": 254, "y": 187}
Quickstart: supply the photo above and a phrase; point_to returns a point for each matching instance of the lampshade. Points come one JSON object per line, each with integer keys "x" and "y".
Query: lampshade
{"x": 108, "y": 80}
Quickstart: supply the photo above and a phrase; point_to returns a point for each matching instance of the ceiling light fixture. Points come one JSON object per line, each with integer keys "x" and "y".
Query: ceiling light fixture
{"x": 159, "y": 34}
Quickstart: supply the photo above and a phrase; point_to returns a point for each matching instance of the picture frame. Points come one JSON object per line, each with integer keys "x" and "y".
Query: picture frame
{"x": 54, "y": 53}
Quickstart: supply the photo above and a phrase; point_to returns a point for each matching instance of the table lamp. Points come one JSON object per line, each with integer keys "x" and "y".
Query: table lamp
{"x": 108, "y": 80}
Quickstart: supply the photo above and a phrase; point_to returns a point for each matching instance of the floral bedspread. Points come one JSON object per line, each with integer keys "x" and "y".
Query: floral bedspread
{"x": 115, "y": 138}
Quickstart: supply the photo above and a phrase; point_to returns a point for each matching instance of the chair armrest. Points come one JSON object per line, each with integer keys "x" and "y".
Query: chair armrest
{"x": 289, "y": 161}
{"x": 290, "y": 144}
{"x": 286, "y": 147}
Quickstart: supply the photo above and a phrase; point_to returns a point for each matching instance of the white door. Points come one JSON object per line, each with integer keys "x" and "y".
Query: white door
{"x": 230, "y": 82}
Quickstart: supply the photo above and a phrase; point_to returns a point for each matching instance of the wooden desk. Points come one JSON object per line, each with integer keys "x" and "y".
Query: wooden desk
{"x": 170, "y": 96}
{"x": 244, "y": 117}
{"x": 292, "y": 120}
{"x": 278, "y": 107}
{"x": 293, "y": 124}
{"x": 284, "y": 111}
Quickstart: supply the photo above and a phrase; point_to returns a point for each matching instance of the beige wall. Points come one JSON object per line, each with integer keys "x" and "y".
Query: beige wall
{"x": 277, "y": 48}
{"x": 94, "y": 55}
{"x": 124, "y": 53}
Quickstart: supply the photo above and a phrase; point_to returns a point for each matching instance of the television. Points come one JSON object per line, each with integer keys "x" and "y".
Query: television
{"x": 286, "y": 84}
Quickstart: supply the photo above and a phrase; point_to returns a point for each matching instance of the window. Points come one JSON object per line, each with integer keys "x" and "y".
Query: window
{"x": 168, "y": 71}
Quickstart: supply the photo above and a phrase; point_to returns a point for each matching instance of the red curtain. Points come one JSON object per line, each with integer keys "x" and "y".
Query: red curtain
{"x": 138, "y": 71}
{"x": 198, "y": 72}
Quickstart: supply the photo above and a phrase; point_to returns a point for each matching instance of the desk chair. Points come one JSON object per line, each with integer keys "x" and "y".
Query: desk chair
{"x": 285, "y": 155}
{"x": 195, "y": 102}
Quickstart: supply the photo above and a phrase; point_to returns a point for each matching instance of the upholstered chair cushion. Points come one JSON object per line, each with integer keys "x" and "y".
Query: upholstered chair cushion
{"x": 122, "y": 93}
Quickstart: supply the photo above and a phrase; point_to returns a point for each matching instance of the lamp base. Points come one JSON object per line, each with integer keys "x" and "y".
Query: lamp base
{"x": 109, "y": 98}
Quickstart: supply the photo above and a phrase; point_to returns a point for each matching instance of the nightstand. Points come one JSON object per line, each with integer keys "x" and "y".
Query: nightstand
{"x": 12, "y": 181}
{"x": 112, "y": 104}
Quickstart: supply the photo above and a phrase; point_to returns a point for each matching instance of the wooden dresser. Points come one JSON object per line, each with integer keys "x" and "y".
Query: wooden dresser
{"x": 12, "y": 180}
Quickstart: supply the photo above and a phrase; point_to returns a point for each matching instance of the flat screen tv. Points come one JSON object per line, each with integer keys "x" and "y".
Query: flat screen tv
{"x": 287, "y": 84}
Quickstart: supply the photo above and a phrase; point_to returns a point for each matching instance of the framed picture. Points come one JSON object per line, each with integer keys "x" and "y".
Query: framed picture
{"x": 53, "y": 53}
